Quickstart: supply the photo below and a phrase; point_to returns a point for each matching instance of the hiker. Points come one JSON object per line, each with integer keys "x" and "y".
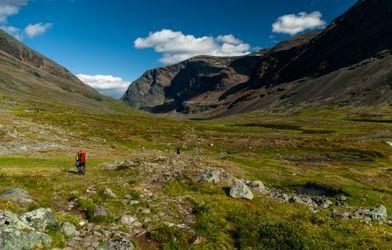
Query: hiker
{"x": 81, "y": 162}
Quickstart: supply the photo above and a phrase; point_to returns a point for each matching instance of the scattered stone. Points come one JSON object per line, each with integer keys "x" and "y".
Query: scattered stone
{"x": 17, "y": 195}
{"x": 342, "y": 198}
{"x": 170, "y": 224}
{"x": 119, "y": 244}
{"x": 39, "y": 218}
{"x": 285, "y": 198}
{"x": 211, "y": 175}
{"x": 326, "y": 203}
{"x": 241, "y": 191}
{"x": 130, "y": 221}
{"x": 197, "y": 241}
{"x": 16, "y": 234}
{"x": 69, "y": 230}
{"x": 108, "y": 193}
{"x": 160, "y": 158}
{"x": 118, "y": 165}
{"x": 379, "y": 214}
{"x": 295, "y": 199}
{"x": 133, "y": 202}
{"x": 376, "y": 214}
{"x": 341, "y": 214}
{"x": 101, "y": 211}
{"x": 389, "y": 143}
{"x": 146, "y": 211}
{"x": 257, "y": 185}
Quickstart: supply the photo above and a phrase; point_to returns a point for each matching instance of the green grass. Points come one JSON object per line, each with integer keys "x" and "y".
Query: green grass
{"x": 337, "y": 148}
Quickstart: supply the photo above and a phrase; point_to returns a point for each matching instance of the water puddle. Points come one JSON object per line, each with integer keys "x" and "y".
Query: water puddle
{"x": 311, "y": 188}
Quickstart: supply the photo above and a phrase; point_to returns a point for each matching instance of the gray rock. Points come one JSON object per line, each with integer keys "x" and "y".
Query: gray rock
{"x": 101, "y": 211}
{"x": 379, "y": 214}
{"x": 108, "y": 193}
{"x": 341, "y": 214}
{"x": 342, "y": 198}
{"x": 295, "y": 199}
{"x": 39, "y": 218}
{"x": 130, "y": 221}
{"x": 16, "y": 234}
{"x": 325, "y": 203}
{"x": 17, "y": 195}
{"x": 376, "y": 214}
{"x": 241, "y": 191}
{"x": 69, "y": 230}
{"x": 211, "y": 175}
{"x": 282, "y": 197}
{"x": 258, "y": 186}
{"x": 119, "y": 244}
{"x": 110, "y": 167}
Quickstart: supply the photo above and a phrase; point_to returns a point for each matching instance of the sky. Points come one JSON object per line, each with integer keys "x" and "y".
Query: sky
{"x": 110, "y": 43}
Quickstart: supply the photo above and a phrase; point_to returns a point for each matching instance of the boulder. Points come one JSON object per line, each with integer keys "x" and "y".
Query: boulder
{"x": 108, "y": 193}
{"x": 211, "y": 175}
{"x": 101, "y": 211}
{"x": 326, "y": 203}
{"x": 130, "y": 221}
{"x": 258, "y": 186}
{"x": 17, "y": 195}
{"x": 119, "y": 244}
{"x": 241, "y": 191}
{"x": 341, "y": 214}
{"x": 16, "y": 234}
{"x": 379, "y": 214}
{"x": 39, "y": 218}
{"x": 69, "y": 230}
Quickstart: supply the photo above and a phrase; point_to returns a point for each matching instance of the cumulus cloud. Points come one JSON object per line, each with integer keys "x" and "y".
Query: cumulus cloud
{"x": 176, "y": 47}
{"x": 106, "y": 84}
{"x": 33, "y": 30}
{"x": 10, "y": 7}
{"x": 293, "y": 24}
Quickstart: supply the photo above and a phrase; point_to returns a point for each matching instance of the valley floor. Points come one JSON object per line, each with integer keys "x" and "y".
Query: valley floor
{"x": 321, "y": 170}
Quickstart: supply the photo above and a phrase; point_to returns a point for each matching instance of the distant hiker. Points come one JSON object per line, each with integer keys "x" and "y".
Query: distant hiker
{"x": 178, "y": 150}
{"x": 81, "y": 162}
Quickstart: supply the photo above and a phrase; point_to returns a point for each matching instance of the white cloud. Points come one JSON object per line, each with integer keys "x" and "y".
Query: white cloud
{"x": 293, "y": 24}
{"x": 176, "y": 47}
{"x": 106, "y": 84}
{"x": 10, "y": 7}
{"x": 33, "y": 30}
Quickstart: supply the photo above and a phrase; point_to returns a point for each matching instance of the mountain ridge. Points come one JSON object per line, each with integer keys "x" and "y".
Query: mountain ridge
{"x": 289, "y": 76}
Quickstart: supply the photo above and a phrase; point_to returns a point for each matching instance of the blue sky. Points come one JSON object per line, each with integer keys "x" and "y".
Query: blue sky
{"x": 97, "y": 37}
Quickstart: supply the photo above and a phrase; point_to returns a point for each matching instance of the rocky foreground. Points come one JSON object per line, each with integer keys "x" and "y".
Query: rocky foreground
{"x": 98, "y": 228}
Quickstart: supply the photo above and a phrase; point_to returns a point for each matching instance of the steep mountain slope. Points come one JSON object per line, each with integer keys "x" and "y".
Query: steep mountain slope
{"x": 28, "y": 77}
{"x": 348, "y": 63}
{"x": 201, "y": 83}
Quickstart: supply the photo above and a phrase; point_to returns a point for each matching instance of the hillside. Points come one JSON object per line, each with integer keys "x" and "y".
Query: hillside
{"x": 29, "y": 78}
{"x": 346, "y": 64}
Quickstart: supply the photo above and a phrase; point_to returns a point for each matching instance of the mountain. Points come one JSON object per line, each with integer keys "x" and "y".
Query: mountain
{"x": 348, "y": 64}
{"x": 29, "y": 77}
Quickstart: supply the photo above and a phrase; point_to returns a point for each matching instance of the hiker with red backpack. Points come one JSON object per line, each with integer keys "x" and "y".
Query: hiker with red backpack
{"x": 81, "y": 162}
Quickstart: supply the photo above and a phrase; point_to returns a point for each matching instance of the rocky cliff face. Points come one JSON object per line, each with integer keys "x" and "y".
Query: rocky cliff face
{"x": 199, "y": 84}
{"x": 348, "y": 63}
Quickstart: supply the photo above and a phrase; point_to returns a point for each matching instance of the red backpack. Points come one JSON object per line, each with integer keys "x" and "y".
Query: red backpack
{"x": 83, "y": 157}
